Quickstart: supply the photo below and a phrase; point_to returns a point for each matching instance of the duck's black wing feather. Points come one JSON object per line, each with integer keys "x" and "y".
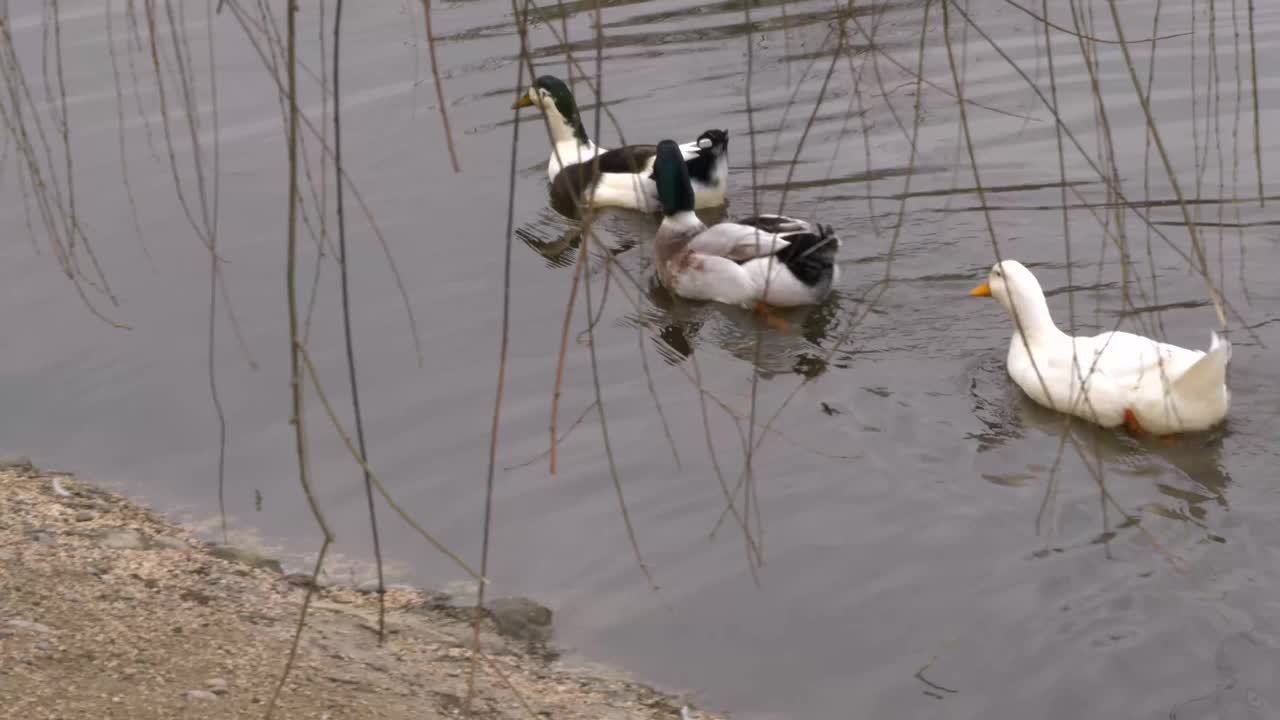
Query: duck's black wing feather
{"x": 575, "y": 180}
{"x": 627, "y": 159}
{"x": 810, "y": 255}
{"x": 701, "y": 167}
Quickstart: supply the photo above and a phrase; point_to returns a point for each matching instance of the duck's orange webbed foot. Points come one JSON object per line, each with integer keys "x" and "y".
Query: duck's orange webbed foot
{"x": 769, "y": 318}
{"x": 1134, "y": 427}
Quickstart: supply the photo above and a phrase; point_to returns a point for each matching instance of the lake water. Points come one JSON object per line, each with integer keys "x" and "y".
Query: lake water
{"x": 904, "y": 573}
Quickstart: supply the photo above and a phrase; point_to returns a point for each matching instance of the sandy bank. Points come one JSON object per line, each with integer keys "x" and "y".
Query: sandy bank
{"x": 107, "y": 610}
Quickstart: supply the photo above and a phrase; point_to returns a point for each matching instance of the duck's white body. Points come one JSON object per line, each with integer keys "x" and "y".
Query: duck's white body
{"x": 701, "y": 263}
{"x": 1165, "y": 388}
{"x": 636, "y": 190}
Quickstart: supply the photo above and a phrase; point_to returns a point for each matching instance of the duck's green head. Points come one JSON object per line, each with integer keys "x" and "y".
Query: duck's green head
{"x": 672, "y": 176}
{"x": 550, "y": 95}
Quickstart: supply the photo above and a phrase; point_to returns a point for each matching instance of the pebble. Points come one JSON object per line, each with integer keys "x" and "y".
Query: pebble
{"x": 169, "y": 543}
{"x": 195, "y": 596}
{"x": 217, "y": 686}
{"x": 29, "y": 626}
{"x": 123, "y": 539}
{"x": 246, "y": 557}
{"x": 199, "y": 695}
{"x": 85, "y": 515}
{"x": 58, "y": 489}
{"x": 42, "y": 537}
{"x": 303, "y": 580}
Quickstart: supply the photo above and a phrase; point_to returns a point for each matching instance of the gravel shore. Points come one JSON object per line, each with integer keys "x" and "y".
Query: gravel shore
{"x": 108, "y": 610}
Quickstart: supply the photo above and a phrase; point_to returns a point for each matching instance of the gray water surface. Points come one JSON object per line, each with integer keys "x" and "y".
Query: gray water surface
{"x": 904, "y": 575}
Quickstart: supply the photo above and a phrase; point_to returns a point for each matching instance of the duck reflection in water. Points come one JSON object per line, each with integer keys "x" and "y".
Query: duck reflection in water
{"x": 1010, "y": 415}
{"x": 799, "y": 347}
{"x": 557, "y": 235}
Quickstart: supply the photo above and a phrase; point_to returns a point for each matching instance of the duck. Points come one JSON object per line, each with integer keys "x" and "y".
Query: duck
{"x": 756, "y": 262}
{"x": 1112, "y": 379}
{"x": 623, "y": 177}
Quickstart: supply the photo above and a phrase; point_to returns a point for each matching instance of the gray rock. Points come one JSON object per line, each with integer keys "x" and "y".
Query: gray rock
{"x": 42, "y": 537}
{"x": 16, "y": 462}
{"x": 195, "y": 596}
{"x": 217, "y": 686}
{"x": 28, "y": 626}
{"x": 246, "y": 557}
{"x": 303, "y": 580}
{"x": 199, "y": 695}
{"x": 522, "y": 619}
{"x": 85, "y": 515}
{"x": 169, "y": 543}
{"x": 122, "y": 539}
{"x": 43, "y": 646}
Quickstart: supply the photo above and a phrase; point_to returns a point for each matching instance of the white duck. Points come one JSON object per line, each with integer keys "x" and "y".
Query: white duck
{"x": 623, "y": 177}
{"x": 737, "y": 263}
{"x": 1111, "y": 379}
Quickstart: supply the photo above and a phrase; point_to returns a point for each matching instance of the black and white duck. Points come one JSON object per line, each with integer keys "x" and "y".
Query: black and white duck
{"x": 759, "y": 261}
{"x": 623, "y": 177}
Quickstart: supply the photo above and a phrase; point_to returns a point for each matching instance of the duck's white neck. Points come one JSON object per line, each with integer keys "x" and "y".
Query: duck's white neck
{"x": 1032, "y": 318}
{"x": 568, "y": 146}
{"x": 685, "y": 220}
{"x": 562, "y": 131}
{"x": 675, "y": 233}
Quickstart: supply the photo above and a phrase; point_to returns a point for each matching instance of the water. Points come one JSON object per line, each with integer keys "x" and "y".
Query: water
{"x": 904, "y": 574}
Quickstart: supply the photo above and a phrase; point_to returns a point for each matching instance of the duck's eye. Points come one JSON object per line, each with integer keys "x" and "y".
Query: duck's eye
{"x": 996, "y": 272}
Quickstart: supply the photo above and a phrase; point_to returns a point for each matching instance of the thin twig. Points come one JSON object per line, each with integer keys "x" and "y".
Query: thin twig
{"x": 435, "y": 74}
{"x": 346, "y": 319}
{"x": 578, "y": 269}
{"x": 500, "y": 381}
{"x": 296, "y": 349}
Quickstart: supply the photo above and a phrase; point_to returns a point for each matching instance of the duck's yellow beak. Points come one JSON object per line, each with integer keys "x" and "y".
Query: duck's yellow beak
{"x": 983, "y": 290}
{"x": 524, "y": 101}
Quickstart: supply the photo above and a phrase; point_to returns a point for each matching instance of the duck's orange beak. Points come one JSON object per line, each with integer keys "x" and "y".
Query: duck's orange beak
{"x": 524, "y": 101}
{"x": 983, "y": 290}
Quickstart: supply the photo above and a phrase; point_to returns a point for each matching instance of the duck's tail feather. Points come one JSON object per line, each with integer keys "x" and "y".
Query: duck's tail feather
{"x": 776, "y": 223}
{"x": 810, "y": 256}
{"x": 1210, "y": 371}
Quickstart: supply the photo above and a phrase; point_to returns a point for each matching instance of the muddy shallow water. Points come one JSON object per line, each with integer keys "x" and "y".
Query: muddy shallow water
{"x": 909, "y": 570}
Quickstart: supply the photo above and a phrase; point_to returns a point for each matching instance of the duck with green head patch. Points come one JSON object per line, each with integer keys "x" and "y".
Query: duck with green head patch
{"x": 622, "y": 177}
{"x": 771, "y": 259}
